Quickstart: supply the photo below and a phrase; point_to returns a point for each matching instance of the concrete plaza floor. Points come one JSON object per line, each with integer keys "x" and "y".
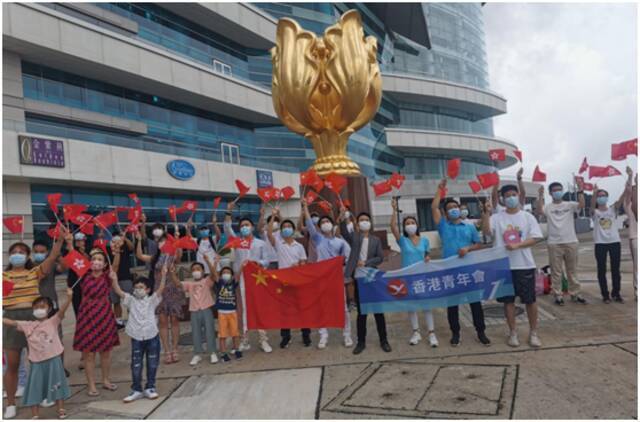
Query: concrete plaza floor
{"x": 587, "y": 368}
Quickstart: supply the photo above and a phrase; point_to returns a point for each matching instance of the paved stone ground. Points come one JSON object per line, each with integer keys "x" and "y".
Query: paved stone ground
{"x": 587, "y": 368}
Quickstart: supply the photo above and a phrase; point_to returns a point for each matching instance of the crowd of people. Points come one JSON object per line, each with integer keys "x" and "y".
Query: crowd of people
{"x": 156, "y": 301}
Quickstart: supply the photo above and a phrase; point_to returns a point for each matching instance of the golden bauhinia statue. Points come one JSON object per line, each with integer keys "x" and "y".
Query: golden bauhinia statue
{"x": 326, "y": 88}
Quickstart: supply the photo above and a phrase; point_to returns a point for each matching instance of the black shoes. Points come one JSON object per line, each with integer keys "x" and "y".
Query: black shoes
{"x": 385, "y": 346}
{"x": 618, "y": 299}
{"x": 306, "y": 340}
{"x": 579, "y": 299}
{"x": 482, "y": 338}
{"x": 284, "y": 343}
{"x": 559, "y": 301}
{"x": 455, "y": 339}
{"x": 238, "y": 354}
{"x": 358, "y": 349}
{"x": 225, "y": 358}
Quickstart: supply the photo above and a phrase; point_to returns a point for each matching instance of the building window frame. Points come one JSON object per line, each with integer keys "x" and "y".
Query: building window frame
{"x": 229, "y": 151}
{"x": 222, "y": 68}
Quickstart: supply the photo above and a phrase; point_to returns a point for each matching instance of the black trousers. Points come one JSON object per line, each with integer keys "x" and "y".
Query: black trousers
{"x": 77, "y": 295}
{"x": 613, "y": 249}
{"x": 476, "y": 312}
{"x": 361, "y": 326}
{"x": 286, "y": 332}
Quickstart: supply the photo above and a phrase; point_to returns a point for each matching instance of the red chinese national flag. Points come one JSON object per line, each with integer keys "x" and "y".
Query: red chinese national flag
{"x": 54, "y": 232}
{"x": 101, "y": 244}
{"x": 488, "y": 179}
{"x": 186, "y": 242}
{"x": 621, "y": 150}
{"x": 598, "y": 171}
{"x": 134, "y": 197}
{"x": 87, "y": 228}
{"x": 381, "y": 188}
{"x": 305, "y": 296}
{"x": 77, "y": 262}
{"x": 173, "y": 212}
{"x": 311, "y": 178}
{"x": 475, "y": 186}
{"x": 7, "y": 288}
{"x": 54, "y": 199}
{"x": 310, "y": 197}
{"x": 518, "y": 154}
{"x": 396, "y": 180}
{"x": 14, "y": 224}
{"x": 584, "y": 166}
{"x": 169, "y": 247}
{"x": 242, "y": 188}
{"x": 453, "y": 168}
{"x": 587, "y": 187}
{"x": 70, "y": 211}
{"x": 81, "y": 219}
{"x": 134, "y": 213}
{"x": 287, "y": 192}
{"x": 538, "y": 175}
{"x": 497, "y": 154}
{"x": 326, "y": 207}
{"x": 106, "y": 219}
{"x": 335, "y": 182}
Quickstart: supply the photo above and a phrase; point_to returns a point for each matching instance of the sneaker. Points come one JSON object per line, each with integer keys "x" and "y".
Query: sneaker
{"x": 385, "y": 346}
{"x": 322, "y": 344}
{"x": 306, "y": 340}
{"x": 225, "y": 358}
{"x": 20, "y": 391}
{"x": 559, "y": 300}
{"x": 46, "y": 403}
{"x": 10, "y": 412}
{"x": 433, "y": 340}
{"x": 513, "y": 340}
{"x": 358, "y": 349}
{"x": 151, "y": 393}
{"x": 238, "y": 354}
{"x": 347, "y": 341}
{"x": 578, "y": 299}
{"x": 213, "y": 358}
{"x": 284, "y": 343}
{"x": 534, "y": 340}
{"x": 618, "y": 299}
{"x": 415, "y": 338}
{"x": 133, "y": 396}
{"x": 265, "y": 346}
{"x": 482, "y": 338}
{"x": 244, "y": 345}
{"x": 195, "y": 360}
{"x": 455, "y": 339}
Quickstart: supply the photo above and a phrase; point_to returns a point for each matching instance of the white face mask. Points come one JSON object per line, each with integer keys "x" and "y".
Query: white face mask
{"x": 411, "y": 228}
{"x": 226, "y": 277}
{"x": 139, "y": 293}
{"x": 197, "y": 275}
{"x": 365, "y": 226}
{"x": 276, "y": 225}
{"x": 326, "y": 227}
{"x": 350, "y": 226}
{"x": 157, "y": 232}
{"x": 40, "y": 313}
{"x": 347, "y": 214}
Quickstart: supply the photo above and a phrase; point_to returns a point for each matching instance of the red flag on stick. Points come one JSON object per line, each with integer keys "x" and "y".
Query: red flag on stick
{"x": 77, "y": 262}
{"x": 497, "y": 154}
{"x": 311, "y": 178}
{"x": 488, "y": 179}
{"x": 169, "y": 246}
{"x": 584, "y": 166}
{"x": 186, "y": 242}
{"x": 598, "y": 171}
{"x": 242, "y": 188}
{"x": 106, "y": 219}
{"x": 475, "y": 186}
{"x": 310, "y": 197}
{"x": 134, "y": 198}
{"x": 335, "y": 182}
{"x": 621, "y": 150}
{"x": 396, "y": 180}
{"x": 81, "y": 219}
{"x": 70, "y": 211}
{"x": 216, "y": 202}
{"x": 101, "y": 244}
{"x": 538, "y": 175}
{"x": 382, "y": 187}
{"x": 54, "y": 199}
{"x": 134, "y": 213}
{"x": 173, "y": 213}
{"x": 587, "y": 187}
{"x": 518, "y": 154}
{"x": 453, "y": 168}
{"x": 87, "y": 228}
{"x": 325, "y": 206}
{"x": 188, "y": 206}
{"x": 309, "y": 296}
{"x": 266, "y": 194}
{"x": 54, "y": 232}
{"x": 14, "y": 224}
{"x": 287, "y": 192}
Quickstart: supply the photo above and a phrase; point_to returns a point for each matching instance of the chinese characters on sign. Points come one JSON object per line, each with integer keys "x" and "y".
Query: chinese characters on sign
{"x": 264, "y": 178}
{"x": 41, "y": 152}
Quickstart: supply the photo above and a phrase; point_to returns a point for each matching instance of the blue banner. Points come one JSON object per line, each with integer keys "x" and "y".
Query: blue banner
{"x": 480, "y": 275}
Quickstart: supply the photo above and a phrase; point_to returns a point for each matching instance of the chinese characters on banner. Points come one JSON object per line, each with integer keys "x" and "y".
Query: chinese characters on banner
{"x": 41, "y": 152}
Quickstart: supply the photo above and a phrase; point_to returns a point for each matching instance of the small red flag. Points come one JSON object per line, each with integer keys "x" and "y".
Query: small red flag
{"x": 81, "y": 219}
{"x": 326, "y": 207}
{"x": 584, "y": 166}
{"x": 131, "y": 228}
{"x": 443, "y": 192}
{"x": 538, "y": 175}
{"x": 173, "y": 211}
{"x": 106, "y": 219}
{"x": 54, "y": 199}
{"x": 14, "y": 224}
{"x": 100, "y": 244}
{"x": 54, "y": 232}
{"x": 309, "y": 296}
{"x": 346, "y": 203}
{"x": 121, "y": 208}
{"x": 621, "y": 150}
{"x": 134, "y": 213}
{"x": 518, "y": 154}
{"x": 453, "y": 168}
{"x": 216, "y": 202}
{"x": 7, "y": 288}
{"x": 71, "y": 211}
{"x": 267, "y": 194}
{"x": 287, "y": 192}
{"x": 242, "y": 188}
{"x": 382, "y": 187}
{"x": 77, "y": 262}
{"x": 310, "y": 197}
{"x": 598, "y": 171}
{"x": 488, "y": 179}
{"x": 587, "y": 187}
{"x": 396, "y": 180}
{"x": 186, "y": 242}
{"x": 475, "y": 186}
{"x": 335, "y": 182}
{"x": 87, "y": 229}
{"x": 169, "y": 247}
{"x": 497, "y": 154}
{"x": 134, "y": 198}
{"x": 311, "y": 178}
{"x": 189, "y": 206}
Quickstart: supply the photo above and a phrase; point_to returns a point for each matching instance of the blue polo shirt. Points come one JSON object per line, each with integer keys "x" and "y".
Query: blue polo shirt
{"x": 411, "y": 253}
{"x": 456, "y": 236}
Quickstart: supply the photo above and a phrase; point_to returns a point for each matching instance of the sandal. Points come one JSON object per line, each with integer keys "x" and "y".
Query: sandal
{"x": 167, "y": 358}
{"x": 93, "y": 393}
{"x": 174, "y": 357}
{"x": 110, "y": 386}
{"x": 62, "y": 414}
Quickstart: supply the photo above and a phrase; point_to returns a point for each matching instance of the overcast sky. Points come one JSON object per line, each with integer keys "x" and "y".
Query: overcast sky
{"x": 568, "y": 72}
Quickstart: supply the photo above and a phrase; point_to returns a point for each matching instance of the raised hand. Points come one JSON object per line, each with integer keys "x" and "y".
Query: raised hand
{"x": 394, "y": 204}
{"x": 519, "y": 173}
{"x": 541, "y": 191}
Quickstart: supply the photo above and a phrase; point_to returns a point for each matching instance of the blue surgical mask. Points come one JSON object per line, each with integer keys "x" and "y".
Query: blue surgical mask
{"x": 245, "y": 231}
{"x": 602, "y": 200}
{"x": 287, "y": 232}
{"x": 454, "y": 213}
{"x": 204, "y": 233}
{"x": 18, "y": 259}
{"x": 557, "y": 195}
{"x": 511, "y": 202}
{"x": 39, "y": 257}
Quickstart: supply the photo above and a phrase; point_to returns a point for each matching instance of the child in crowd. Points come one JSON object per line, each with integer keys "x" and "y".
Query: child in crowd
{"x": 227, "y": 302}
{"x": 142, "y": 327}
{"x": 46, "y": 380}
{"x": 200, "y": 307}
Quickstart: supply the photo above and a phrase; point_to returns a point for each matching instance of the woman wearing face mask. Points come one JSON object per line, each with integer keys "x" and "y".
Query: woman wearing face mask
{"x": 274, "y": 221}
{"x": 366, "y": 251}
{"x": 607, "y": 241}
{"x": 208, "y": 242}
{"x": 328, "y": 246}
{"x": 413, "y": 248}
{"x": 96, "y": 330}
{"x": 25, "y": 277}
{"x": 173, "y": 298}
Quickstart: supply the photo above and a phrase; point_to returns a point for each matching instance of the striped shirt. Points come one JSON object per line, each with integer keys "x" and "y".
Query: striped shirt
{"x": 26, "y": 284}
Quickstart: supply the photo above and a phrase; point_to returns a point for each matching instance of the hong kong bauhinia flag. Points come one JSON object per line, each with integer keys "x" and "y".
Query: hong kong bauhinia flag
{"x": 306, "y": 296}
{"x": 599, "y": 171}
{"x": 76, "y": 262}
{"x": 623, "y": 149}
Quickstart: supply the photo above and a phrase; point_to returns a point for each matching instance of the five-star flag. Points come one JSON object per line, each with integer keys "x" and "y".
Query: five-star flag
{"x": 538, "y": 175}
{"x": 14, "y": 224}
{"x": 621, "y": 150}
{"x": 599, "y": 171}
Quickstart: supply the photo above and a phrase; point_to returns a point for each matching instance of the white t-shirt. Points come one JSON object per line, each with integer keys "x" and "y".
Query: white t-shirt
{"x": 516, "y": 227}
{"x": 205, "y": 248}
{"x": 142, "y": 324}
{"x": 560, "y": 224}
{"x": 604, "y": 226}
{"x": 289, "y": 254}
{"x": 364, "y": 249}
{"x": 272, "y": 255}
